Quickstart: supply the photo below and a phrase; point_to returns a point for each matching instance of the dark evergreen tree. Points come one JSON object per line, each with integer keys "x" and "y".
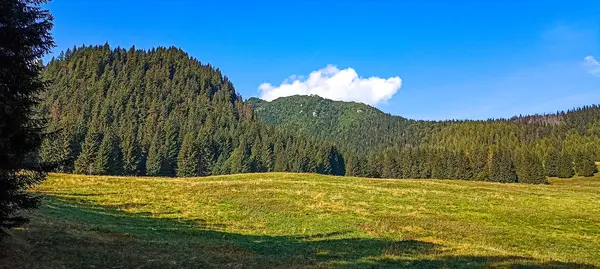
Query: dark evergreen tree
{"x": 440, "y": 169}
{"x": 565, "y": 166}
{"x": 584, "y": 163}
{"x": 24, "y": 39}
{"x": 89, "y": 150}
{"x": 391, "y": 167}
{"x": 354, "y": 166}
{"x": 478, "y": 158}
{"x": 530, "y": 168}
{"x": 156, "y": 156}
{"x": 553, "y": 160}
{"x": 502, "y": 168}
{"x": 464, "y": 168}
{"x": 132, "y": 155}
{"x": 240, "y": 159}
{"x": 108, "y": 160}
{"x": 281, "y": 161}
{"x": 324, "y": 164}
{"x": 188, "y": 161}
{"x": 171, "y": 150}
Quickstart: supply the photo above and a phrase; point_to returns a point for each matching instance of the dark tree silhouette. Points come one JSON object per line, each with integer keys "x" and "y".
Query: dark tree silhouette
{"x": 24, "y": 39}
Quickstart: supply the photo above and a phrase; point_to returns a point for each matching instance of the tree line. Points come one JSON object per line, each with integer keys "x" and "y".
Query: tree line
{"x": 494, "y": 164}
{"x": 161, "y": 113}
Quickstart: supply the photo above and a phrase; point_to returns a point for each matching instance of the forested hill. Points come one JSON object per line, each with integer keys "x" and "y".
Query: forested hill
{"x": 376, "y": 144}
{"x": 354, "y": 126}
{"x": 362, "y": 128}
{"x": 161, "y": 112}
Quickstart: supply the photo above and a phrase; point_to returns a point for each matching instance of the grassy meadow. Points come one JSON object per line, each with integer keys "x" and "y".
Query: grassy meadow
{"x": 285, "y": 220}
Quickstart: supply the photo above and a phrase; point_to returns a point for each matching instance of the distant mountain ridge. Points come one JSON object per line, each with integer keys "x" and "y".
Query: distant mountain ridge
{"x": 363, "y": 128}
{"x": 331, "y": 120}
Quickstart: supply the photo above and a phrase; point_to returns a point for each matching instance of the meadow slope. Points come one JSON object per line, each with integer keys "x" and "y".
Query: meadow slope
{"x": 307, "y": 221}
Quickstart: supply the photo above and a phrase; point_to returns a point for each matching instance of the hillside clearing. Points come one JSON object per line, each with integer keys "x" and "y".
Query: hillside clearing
{"x": 307, "y": 220}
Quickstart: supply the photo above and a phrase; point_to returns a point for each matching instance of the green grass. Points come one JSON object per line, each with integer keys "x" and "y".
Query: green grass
{"x": 307, "y": 221}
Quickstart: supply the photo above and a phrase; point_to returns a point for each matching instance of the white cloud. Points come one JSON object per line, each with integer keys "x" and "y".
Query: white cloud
{"x": 333, "y": 83}
{"x": 592, "y": 65}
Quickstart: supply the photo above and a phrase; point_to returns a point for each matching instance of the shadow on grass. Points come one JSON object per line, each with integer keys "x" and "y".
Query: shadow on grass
{"x": 66, "y": 233}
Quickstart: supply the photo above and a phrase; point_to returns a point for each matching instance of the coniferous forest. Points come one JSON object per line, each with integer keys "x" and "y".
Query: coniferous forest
{"x": 160, "y": 112}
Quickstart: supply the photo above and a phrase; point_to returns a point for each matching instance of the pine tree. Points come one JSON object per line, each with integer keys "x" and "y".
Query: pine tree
{"x": 256, "y": 157}
{"x": 89, "y": 150}
{"x": 240, "y": 158}
{"x": 65, "y": 154}
{"x": 108, "y": 159}
{"x": 169, "y": 165}
{"x": 502, "y": 168}
{"x": 25, "y": 38}
{"x": 564, "y": 167}
{"x": 156, "y": 156}
{"x": 584, "y": 163}
{"x": 280, "y": 158}
{"x": 205, "y": 153}
{"x": 464, "y": 169}
{"x": 439, "y": 168}
{"x": 390, "y": 166}
{"x": 188, "y": 161}
{"x": 552, "y": 162}
{"x": 530, "y": 168}
{"x": 338, "y": 164}
{"x": 132, "y": 155}
{"x": 354, "y": 166}
{"x": 478, "y": 158}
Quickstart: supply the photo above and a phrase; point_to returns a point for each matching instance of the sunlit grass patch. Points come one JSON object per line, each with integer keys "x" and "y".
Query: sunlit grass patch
{"x": 306, "y": 221}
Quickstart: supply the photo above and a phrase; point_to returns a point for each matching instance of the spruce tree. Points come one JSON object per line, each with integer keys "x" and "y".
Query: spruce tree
{"x": 65, "y": 154}
{"x": 48, "y": 152}
{"x": 240, "y": 158}
{"x": 530, "y": 168}
{"x": 324, "y": 161}
{"x": 584, "y": 163}
{"x": 188, "y": 161}
{"x": 502, "y": 168}
{"x": 390, "y": 166}
{"x": 464, "y": 169}
{"x": 257, "y": 157}
{"x": 552, "y": 162}
{"x": 564, "y": 167}
{"x": 156, "y": 156}
{"x": 205, "y": 153}
{"x": 281, "y": 160}
{"x": 354, "y": 166}
{"x": 338, "y": 164}
{"x": 132, "y": 155}
{"x": 108, "y": 159}
{"x": 89, "y": 150}
{"x": 439, "y": 169}
{"x": 171, "y": 147}
{"x": 24, "y": 39}
{"x": 478, "y": 158}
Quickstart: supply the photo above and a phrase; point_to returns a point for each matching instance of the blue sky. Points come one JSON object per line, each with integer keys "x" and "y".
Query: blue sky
{"x": 456, "y": 59}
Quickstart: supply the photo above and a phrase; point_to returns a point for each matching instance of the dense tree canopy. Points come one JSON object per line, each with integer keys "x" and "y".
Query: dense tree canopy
{"x": 24, "y": 39}
{"x": 162, "y": 113}
{"x": 494, "y": 150}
